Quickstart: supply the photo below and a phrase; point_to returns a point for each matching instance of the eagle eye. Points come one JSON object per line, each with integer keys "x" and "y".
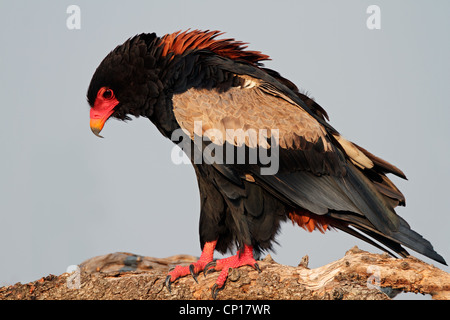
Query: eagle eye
{"x": 108, "y": 94}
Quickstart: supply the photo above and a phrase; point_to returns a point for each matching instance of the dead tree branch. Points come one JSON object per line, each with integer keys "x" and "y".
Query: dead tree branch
{"x": 358, "y": 275}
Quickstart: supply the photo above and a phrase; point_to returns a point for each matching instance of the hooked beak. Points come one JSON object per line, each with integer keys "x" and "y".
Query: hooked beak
{"x": 101, "y": 111}
{"x": 97, "y": 126}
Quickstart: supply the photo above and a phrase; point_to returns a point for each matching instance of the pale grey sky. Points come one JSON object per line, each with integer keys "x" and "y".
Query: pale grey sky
{"x": 66, "y": 196}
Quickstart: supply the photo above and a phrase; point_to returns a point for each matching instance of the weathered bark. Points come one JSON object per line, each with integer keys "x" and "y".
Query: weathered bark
{"x": 358, "y": 275}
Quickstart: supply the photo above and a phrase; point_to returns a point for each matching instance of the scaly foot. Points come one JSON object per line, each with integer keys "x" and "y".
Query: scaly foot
{"x": 194, "y": 268}
{"x": 242, "y": 258}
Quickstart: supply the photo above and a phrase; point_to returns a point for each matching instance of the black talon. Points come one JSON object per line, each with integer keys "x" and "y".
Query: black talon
{"x": 208, "y": 265}
{"x": 191, "y": 269}
{"x": 257, "y": 267}
{"x": 168, "y": 283}
{"x": 209, "y": 271}
{"x": 215, "y": 289}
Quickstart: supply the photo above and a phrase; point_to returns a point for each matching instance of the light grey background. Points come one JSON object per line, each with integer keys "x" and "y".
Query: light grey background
{"x": 66, "y": 196}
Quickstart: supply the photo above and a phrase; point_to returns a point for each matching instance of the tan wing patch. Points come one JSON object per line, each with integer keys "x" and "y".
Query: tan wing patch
{"x": 356, "y": 156}
{"x": 241, "y": 114}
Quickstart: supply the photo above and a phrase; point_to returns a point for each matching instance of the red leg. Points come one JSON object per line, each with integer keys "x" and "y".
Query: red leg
{"x": 205, "y": 263}
{"x": 195, "y": 268}
{"x": 242, "y": 258}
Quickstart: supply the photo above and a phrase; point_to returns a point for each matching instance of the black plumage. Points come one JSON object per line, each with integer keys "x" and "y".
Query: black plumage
{"x": 323, "y": 179}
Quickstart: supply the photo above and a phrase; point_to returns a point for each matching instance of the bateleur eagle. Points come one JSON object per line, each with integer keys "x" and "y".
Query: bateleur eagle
{"x": 195, "y": 83}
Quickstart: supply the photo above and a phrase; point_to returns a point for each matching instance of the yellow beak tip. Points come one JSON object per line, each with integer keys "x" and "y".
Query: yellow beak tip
{"x": 96, "y": 127}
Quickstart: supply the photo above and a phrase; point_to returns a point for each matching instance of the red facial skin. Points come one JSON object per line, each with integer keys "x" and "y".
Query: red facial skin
{"x": 103, "y": 108}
